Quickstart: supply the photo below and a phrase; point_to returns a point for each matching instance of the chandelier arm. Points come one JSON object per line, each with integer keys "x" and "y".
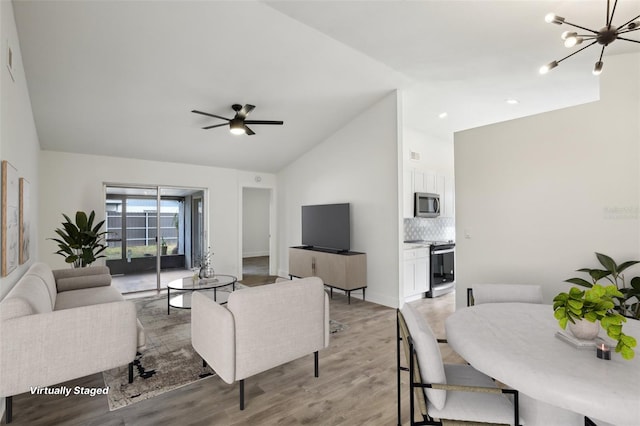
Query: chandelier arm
{"x": 577, "y": 51}
{"x": 628, "y": 39}
{"x": 629, "y": 21}
{"x": 610, "y": 19}
{"x": 601, "y": 53}
{"x": 628, "y": 31}
{"x": 582, "y": 28}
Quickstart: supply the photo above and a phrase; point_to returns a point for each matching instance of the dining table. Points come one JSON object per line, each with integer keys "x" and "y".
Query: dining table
{"x": 559, "y": 384}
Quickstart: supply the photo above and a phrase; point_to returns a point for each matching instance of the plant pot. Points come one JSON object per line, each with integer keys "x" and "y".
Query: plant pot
{"x": 585, "y": 330}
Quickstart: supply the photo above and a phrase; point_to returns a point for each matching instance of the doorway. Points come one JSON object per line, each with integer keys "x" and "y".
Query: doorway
{"x": 153, "y": 234}
{"x": 256, "y": 237}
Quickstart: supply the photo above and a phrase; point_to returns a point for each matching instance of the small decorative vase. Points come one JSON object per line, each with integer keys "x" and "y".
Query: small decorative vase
{"x": 203, "y": 272}
{"x": 585, "y": 330}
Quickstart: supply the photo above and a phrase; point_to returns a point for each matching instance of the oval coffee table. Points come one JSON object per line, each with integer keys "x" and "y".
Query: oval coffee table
{"x": 188, "y": 285}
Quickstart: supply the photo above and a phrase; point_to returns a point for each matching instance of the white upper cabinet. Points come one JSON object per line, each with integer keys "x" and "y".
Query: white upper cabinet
{"x": 416, "y": 180}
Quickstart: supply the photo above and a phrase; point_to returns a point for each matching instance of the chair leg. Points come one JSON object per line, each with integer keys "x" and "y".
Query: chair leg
{"x": 242, "y": 394}
{"x": 398, "y": 367}
{"x": 9, "y": 409}
{"x": 131, "y": 372}
{"x": 316, "y": 368}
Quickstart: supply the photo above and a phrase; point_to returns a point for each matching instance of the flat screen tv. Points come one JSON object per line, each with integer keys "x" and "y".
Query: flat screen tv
{"x": 327, "y": 226}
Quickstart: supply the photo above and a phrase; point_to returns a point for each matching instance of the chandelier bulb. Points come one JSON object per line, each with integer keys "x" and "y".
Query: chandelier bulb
{"x": 572, "y": 41}
{"x": 597, "y": 69}
{"x": 552, "y": 18}
{"x": 634, "y": 25}
{"x": 565, "y": 35}
{"x": 546, "y": 68}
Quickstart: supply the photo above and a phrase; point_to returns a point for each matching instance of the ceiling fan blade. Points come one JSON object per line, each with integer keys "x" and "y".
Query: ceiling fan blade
{"x": 245, "y": 111}
{"x": 215, "y": 125}
{"x": 264, "y": 122}
{"x": 249, "y": 131}
{"x": 210, "y": 115}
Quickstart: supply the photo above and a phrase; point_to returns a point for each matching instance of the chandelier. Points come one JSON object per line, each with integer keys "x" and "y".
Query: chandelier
{"x": 604, "y": 36}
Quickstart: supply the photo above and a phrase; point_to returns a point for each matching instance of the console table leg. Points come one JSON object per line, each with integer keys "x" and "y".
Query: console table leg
{"x": 349, "y": 296}
{"x": 364, "y": 293}
{"x": 168, "y": 300}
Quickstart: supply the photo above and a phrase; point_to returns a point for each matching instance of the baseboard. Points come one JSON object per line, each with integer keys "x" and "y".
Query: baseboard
{"x": 255, "y": 254}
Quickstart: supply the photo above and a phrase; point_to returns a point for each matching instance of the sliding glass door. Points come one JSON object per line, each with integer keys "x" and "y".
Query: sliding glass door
{"x": 150, "y": 230}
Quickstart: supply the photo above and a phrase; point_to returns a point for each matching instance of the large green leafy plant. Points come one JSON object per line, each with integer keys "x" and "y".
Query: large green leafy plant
{"x": 628, "y": 302}
{"x": 595, "y": 304}
{"x": 82, "y": 242}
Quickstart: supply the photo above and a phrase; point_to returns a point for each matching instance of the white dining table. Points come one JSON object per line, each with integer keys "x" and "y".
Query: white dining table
{"x": 515, "y": 344}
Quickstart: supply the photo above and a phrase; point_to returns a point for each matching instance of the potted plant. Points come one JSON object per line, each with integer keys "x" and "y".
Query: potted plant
{"x": 595, "y": 304}
{"x": 164, "y": 247}
{"x": 204, "y": 263}
{"x": 628, "y": 303}
{"x": 82, "y": 242}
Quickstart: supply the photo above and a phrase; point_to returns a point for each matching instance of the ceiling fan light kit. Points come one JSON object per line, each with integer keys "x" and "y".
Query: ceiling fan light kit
{"x": 604, "y": 36}
{"x": 238, "y": 124}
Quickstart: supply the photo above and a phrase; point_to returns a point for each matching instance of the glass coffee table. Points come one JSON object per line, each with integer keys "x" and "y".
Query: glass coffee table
{"x": 188, "y": 285}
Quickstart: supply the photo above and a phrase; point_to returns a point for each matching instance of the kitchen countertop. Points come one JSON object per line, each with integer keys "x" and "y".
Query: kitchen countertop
{"x": 411, "y": 245}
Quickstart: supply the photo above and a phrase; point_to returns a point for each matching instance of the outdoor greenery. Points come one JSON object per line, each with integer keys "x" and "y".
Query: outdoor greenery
{"x": 595, "y": 304}
{"x": 113, "y": 253}
{"x": 82, "y": 242}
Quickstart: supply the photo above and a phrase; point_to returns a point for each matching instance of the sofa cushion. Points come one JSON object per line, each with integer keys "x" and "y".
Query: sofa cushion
{"x": 32, "y": 298}
{"x": 43, "y": 271}
{"x": 87, "y": 296}
{"x": 87, "y": 281}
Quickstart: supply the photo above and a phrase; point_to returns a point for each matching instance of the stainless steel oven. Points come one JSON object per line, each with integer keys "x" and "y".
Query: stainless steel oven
{"x": 442, "y": 272}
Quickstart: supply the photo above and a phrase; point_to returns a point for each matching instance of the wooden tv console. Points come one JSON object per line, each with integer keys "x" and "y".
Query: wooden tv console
{"x": 345, "y": 271}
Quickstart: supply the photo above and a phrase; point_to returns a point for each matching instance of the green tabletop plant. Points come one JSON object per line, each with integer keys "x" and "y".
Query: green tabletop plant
{"x": 595, "y": 304}
{"x": 82, "y": 242}
{"x": 628, "y": 302}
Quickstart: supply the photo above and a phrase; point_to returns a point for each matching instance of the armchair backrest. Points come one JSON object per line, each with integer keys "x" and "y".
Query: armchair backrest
{"x": 428, "y": 364}
{"x": 277, "y": 323}
{"x": 503, "y": 293}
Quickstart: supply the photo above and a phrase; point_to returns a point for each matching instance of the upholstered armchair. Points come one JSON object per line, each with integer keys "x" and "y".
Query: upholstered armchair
{"x": 261, "y": 328}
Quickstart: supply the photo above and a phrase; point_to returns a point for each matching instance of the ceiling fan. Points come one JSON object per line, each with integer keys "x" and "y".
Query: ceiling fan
{"x": 238, "y": 124}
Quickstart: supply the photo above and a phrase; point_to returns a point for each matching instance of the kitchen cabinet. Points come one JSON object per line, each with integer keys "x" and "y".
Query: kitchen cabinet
{"x": 416, "y": 272}
{"x": 417, "y": 180}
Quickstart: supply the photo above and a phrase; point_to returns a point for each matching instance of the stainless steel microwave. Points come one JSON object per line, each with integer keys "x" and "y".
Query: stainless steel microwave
{"x": 426, "y": 205}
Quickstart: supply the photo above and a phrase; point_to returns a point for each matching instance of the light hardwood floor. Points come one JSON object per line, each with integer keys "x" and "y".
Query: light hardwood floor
{"x": 357, "y": 384}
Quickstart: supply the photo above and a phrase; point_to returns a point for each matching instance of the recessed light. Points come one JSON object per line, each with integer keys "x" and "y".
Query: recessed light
{"x": 512, "y": 101}
{"x": 443, "y": 115}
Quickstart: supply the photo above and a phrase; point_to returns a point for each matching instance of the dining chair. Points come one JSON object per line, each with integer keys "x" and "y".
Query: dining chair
{"x": 503, "y": 293}
{"x": 447, "y": 394}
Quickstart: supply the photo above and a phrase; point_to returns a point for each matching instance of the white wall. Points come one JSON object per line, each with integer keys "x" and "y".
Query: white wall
{"x": 255, "y": 222}
{"x": 357, "y": 165}
{"x": 18, "y": 137}
{"x": 71, "y": 182}
{"x": 435, "y": 154}
{"x": 539, "y": 195}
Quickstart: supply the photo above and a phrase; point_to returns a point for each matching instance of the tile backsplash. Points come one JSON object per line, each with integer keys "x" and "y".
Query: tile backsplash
{"x": 437, "y": 229}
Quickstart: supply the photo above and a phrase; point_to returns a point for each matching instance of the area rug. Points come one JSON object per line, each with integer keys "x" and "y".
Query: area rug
{"x": 168, "y": 361}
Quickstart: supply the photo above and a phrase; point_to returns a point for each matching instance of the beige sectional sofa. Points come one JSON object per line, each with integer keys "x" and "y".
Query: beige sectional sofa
{"x": 261, "y": 328}
{"x": 60, "y": 325}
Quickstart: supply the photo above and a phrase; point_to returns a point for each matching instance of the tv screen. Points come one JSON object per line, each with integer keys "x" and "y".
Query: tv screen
{"x": 326, "y": 226}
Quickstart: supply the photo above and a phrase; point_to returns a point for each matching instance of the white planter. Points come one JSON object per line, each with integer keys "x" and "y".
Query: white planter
{"x": 585, "y": 330}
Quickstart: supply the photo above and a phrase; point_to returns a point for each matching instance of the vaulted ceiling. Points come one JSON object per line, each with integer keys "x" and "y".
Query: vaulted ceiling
{"x": 120, "y": 78}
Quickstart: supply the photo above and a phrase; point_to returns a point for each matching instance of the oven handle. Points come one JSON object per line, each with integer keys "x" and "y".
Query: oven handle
{"x": 445, "y": 251}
